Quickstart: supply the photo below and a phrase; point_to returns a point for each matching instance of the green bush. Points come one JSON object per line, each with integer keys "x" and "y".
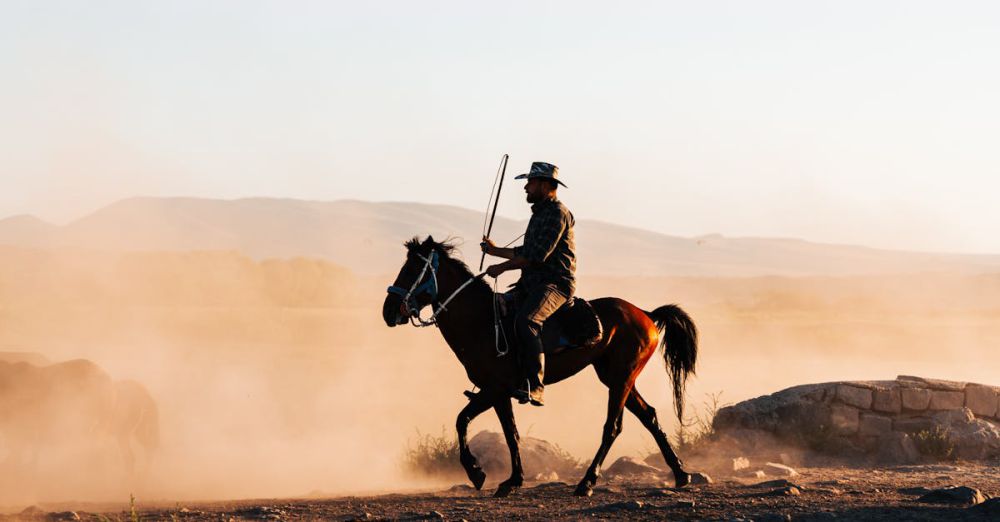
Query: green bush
{"x": 935, "y": 443}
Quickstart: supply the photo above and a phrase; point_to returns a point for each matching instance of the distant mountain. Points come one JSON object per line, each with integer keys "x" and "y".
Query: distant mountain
{"x": 26, "y": 230}
{"x": 367, "y": 237}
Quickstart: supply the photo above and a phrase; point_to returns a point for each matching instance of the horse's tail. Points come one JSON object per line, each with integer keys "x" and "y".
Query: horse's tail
{"x": 679, "y": 343}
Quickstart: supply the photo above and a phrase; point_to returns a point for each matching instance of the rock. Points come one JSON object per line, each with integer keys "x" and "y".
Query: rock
{"x": 844, "y": 419}
{"x": 918, "y": 490}
{"x": 63, "y": 515}
{"x": 551, "y": 476}
{"x": 947, "y": 400}
{"x": 740, "y": 463}
{"x": 887, "y": 400}
{"x": 32, "y": 511}
{"x": 628, "y": 466}
{"x": 780, "y": 483}
{"x": 915, "y": 399}
{"x": 754, "y": 474}
{"x": 989, "y": 508}
{"x": 957, "y": 417}
{"x": 631, "y": 505}
{"x": 700, "y": 478}
{"x": 790, "y": 491}
{"x": 934, "y": 384}
{"x": 781, "y": 470}
{"x": 854, "y": 396}
{"x": 982, "y": 400}
{"x": 975, "y": 440}
{"x": 435, "y": 515}
{"x": 876, "y": 425}
{"x": 913, "y": 425}
{"x": 897, "y": 448}
{"x": 963, "y": 495}
{"x": 537, "y": 456}
{"x": 261, "y": 512}
{"x": 685, "y": 504}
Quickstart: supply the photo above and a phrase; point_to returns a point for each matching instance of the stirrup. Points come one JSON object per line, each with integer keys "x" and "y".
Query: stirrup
{"x": 523, "y": 395}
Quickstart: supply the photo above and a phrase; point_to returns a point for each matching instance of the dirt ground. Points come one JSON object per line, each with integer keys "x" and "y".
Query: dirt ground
{"x": 822, "y": 494}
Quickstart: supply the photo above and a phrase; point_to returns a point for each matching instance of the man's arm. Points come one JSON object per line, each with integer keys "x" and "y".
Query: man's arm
{"x": 514, "y": 260}
{"x": 489, "y": 247}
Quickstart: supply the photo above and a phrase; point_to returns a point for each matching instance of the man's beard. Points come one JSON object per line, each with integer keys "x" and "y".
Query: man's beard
{"x": 531, "y": 198}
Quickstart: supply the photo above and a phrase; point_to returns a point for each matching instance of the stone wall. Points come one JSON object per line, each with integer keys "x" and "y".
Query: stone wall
{"x": 887, "y": 420}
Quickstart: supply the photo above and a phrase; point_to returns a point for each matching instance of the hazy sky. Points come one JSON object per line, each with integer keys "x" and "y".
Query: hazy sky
{"x": 872, "y": 123}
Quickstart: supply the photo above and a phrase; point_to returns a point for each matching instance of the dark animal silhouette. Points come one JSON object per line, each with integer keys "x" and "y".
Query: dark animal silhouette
{"x": 630, "y": 339}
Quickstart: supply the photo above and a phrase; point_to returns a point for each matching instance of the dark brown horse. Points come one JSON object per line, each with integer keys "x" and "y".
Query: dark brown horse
{"x": 431, "y": 276}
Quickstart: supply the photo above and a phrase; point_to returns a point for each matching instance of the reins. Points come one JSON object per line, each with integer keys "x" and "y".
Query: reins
{"x": 412, "y": 308}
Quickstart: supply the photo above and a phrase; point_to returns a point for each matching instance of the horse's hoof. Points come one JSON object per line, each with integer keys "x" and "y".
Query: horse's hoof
{"x": 584, "y": 490}
{"x": 478, "y": 478}
{"x": 504, "y": 490}
{"x": 681, "y": 478}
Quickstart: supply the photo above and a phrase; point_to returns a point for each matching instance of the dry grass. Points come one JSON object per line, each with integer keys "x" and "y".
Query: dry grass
{"x": 432, "y": 455}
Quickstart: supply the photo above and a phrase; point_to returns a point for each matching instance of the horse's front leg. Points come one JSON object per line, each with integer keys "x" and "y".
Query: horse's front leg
{"x": 478, "y": 403}
{"x": 506, "y": 415}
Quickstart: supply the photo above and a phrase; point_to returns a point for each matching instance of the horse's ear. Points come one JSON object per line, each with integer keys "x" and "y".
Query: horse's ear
{"x": 429, "y": 240}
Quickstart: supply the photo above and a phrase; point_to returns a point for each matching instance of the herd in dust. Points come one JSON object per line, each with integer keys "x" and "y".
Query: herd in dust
{"x": 72, "y": 404}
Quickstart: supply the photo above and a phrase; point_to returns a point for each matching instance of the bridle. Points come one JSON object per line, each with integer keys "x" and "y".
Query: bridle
{"x": 411, "y": 308}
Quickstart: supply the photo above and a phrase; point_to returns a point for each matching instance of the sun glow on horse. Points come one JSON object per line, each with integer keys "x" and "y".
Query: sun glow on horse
{"x": 462, "y": 307}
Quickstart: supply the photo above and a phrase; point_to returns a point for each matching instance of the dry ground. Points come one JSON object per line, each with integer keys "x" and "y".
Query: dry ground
{"x": 826, "y": 493}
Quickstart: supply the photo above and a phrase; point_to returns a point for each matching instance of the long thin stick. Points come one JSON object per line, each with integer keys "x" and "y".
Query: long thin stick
{"x": 503, "y": 173}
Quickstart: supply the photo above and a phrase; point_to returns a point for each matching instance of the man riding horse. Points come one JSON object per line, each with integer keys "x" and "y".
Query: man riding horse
{"x": 547, "y": 262}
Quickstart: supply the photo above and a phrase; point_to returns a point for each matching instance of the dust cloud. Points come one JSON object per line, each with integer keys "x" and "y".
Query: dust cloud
{"x": 278, "y": 377}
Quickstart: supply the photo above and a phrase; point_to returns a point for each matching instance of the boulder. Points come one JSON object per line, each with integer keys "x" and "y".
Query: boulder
{"x": 887, "y": 400}
{"x": 875, "y": 425}
{"x": 630, "y": 467}
{"x": 874, "y": 420}
{"x": 780, "y": 470}
{"x": 962, "y": 495}
{"x": 854, "y": 396}
{"x": 990, "y": 508}
{"x": 982, "y": 400}
{"x": 537, "y": 456}
{"x": 700, "y": 478}
{"x": 946, "y": 400}
{"x": 897, "y": 448}
{"x": 844, "y": 419}
{"x": 915, "y": 399}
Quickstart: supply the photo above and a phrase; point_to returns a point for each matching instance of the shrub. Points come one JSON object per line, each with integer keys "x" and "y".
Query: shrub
{"x": 433, "y": 456}
{"x": 935, "y": 443}
{"x": 695, "y": 432}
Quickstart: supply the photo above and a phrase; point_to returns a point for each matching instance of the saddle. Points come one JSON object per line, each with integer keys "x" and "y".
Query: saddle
{"x": 574, "y": 325}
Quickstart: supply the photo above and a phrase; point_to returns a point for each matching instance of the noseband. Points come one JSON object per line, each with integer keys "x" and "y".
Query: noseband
{"x": 419, "y": 287}
{"x": 410, "y": 306}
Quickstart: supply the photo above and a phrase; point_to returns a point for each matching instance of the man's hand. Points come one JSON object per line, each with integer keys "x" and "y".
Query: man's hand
{"x": 487, "y": 245}
{"x": 494, "y": 271}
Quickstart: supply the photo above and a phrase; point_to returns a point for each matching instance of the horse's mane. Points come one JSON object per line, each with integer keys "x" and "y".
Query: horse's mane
{"x": 446, "y": 249}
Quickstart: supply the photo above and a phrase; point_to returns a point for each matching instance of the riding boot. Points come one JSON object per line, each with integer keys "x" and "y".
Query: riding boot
{"x": 534, "y": 367}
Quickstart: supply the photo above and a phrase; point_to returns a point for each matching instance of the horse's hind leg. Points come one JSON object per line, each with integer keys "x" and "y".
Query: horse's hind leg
{"x": 617, "y": 393}
{"x": 506, "y": 415}
{"x": 478, "y": 403}
{"x": 647, "y": 416}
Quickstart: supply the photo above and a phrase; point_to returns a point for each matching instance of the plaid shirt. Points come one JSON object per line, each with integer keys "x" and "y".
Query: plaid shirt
{"x": 549, "y": 245}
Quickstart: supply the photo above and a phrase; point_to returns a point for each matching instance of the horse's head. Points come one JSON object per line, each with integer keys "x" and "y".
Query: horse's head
{"x": 416, "y": 286}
